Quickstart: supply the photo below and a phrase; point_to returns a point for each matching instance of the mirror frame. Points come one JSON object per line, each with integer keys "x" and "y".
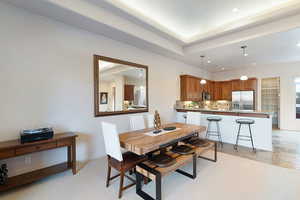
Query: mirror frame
{"x": 97, "y": 113}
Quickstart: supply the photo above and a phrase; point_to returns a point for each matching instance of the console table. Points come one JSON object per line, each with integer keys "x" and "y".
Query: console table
{"x": 14, "y": 148}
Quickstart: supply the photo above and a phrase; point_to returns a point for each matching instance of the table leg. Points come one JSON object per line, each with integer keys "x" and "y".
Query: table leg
{"x": 70, "y": 156}
{"x": 74, "y": 156}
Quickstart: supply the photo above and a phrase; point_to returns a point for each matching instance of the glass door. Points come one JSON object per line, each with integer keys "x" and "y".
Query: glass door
{"x": 270, "y": 98}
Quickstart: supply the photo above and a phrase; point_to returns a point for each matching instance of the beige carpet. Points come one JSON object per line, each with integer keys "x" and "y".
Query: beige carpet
{"x": 231, "y": 178}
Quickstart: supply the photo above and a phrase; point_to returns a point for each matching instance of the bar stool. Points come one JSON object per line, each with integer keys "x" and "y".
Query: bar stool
{"x": 244, "y": 122}
{"x": 211, "y": 132}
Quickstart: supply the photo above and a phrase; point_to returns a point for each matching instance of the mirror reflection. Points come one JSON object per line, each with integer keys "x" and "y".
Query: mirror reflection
{"x": 121, "y": 87}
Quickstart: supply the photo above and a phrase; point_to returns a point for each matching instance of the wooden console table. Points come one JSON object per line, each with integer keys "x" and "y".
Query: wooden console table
{"x": 13, "y": 148}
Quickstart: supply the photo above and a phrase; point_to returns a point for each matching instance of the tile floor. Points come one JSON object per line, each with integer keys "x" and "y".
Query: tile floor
{"x": 231, "y": 178}
{"x": 286, "y": 150}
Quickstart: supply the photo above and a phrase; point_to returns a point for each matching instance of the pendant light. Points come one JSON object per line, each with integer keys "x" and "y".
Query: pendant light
{"x": 244, "y": 77}
{"x": 203, "y": 81}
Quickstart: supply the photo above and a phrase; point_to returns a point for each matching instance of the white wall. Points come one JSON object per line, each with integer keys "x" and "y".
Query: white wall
{"x": 287, "y": 73}
{"x": 46, "y": 78}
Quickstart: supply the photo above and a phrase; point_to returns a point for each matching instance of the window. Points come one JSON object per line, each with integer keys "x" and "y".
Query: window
{"x": 297, "y": 81}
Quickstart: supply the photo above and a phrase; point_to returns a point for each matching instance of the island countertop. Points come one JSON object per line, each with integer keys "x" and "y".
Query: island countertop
{"x": 242, "y": 113}
{"x": 261, "y": 129}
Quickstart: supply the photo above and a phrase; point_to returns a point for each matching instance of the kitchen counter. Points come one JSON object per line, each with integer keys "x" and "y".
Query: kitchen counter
{"x": 261, "y": 129}
{"x": 242, "y": 113}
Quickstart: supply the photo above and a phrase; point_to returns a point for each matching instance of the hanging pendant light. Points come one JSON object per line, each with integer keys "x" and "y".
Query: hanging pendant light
{"x": 244, "y": 77}
{"x": 203, "y": 81}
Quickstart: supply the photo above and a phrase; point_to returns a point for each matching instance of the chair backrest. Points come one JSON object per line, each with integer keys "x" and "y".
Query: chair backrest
{"x": 150, "y": 120}
{"x": 111, "y": 141}
{"x": 137, "y": 122}
{"x": 193, "y": 118}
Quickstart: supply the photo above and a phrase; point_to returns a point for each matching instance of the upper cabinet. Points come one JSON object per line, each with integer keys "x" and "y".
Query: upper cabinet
{"x": 211, "y": 88}
{"x": 217, "y": 94}
{"x": 128, "y": 92}
{"x": 190, "y": 89}
{"x": 226, "y": 90}
{"x": 236, "y": 85}
{"x": 250, "y": 84}
{"x": 222, "y": 90}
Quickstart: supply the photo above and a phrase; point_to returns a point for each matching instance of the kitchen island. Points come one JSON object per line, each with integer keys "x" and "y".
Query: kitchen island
{"x": 261, "y": 130}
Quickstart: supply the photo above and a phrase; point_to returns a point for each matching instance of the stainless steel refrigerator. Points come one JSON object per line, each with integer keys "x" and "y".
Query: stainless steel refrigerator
{"x": 243, "y": 100}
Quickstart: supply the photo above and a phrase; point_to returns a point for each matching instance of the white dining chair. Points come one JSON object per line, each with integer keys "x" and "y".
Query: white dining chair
{"x": 122, "y": 162}
{"x": 137, "y": 122}
{"x": 193, "y": 118}
{"x": 111, "y": 141}
{"x": 150, "y": 120}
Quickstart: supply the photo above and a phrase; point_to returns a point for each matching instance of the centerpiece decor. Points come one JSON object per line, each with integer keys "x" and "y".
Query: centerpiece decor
{"x": 157, "y": 122}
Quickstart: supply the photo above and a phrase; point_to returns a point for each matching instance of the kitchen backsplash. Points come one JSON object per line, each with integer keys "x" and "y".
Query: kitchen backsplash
{"x": 211, "y": 105}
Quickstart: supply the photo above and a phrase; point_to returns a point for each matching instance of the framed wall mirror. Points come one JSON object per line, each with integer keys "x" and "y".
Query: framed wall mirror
{"x": 120, "y": 87}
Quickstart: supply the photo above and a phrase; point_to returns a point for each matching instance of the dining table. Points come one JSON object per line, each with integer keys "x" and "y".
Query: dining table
{"x": 148, "y": 141}
{"x": 145, "y": 141}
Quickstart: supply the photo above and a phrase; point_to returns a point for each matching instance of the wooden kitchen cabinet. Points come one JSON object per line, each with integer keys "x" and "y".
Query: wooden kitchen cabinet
{"x": 211, "y": 86}
{"x": 128, "y": 92}
{"x": 239, "y": 85}
{"x": 250, "y": 84}
{"x": 217, "y": 91}
{"x": 222, "y": 90}
{"x": 190, "y": 89}
{"x": 236, "y": 85}
{"x": 226, "y": 90}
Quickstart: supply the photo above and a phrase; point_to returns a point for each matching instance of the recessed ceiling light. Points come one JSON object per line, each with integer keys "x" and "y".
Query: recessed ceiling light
{"x": 208, "y": 61}
{"x": 223, "y": 68}
{"x": 298, "y": 44}
{"x": 235, "y": 10}
{"x": 245, "y": 54}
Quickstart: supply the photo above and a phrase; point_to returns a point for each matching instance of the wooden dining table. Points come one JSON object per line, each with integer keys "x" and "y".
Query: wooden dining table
{"x": 144, "y": 141}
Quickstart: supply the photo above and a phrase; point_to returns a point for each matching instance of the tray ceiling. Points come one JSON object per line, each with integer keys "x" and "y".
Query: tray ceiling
{"x": 185, "y": 29}
{"x": 190, "y": 20}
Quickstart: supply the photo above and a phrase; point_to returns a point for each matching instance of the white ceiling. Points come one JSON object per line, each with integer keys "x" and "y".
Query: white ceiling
{"x": 186, "y": 29}
{"x": 277, "y": 47}
{"x": 114, "y": 70}
{"x": 191, "y": 20}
